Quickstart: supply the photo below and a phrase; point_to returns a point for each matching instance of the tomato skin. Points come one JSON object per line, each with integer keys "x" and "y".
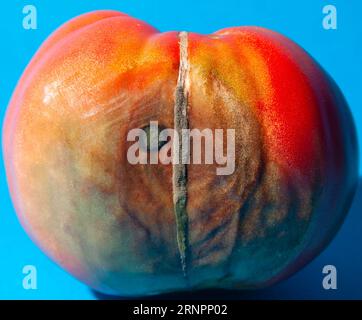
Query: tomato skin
{"x": 111, "y": 224}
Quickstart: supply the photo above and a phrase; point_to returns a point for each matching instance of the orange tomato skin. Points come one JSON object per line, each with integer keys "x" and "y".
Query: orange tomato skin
{"x": 110, "y": 223}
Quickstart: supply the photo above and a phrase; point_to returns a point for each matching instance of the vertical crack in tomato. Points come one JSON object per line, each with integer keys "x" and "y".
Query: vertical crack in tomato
{"x": 180, "y": 154}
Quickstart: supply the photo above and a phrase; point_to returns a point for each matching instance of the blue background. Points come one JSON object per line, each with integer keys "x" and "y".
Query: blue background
{"x": 338, "y": 51}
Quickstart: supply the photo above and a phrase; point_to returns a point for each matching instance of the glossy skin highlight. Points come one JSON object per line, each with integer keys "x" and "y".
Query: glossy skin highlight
{"x": 110, "y": 223}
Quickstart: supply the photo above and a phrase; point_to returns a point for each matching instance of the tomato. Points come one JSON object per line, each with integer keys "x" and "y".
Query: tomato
{"x": 140, "y": 228}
